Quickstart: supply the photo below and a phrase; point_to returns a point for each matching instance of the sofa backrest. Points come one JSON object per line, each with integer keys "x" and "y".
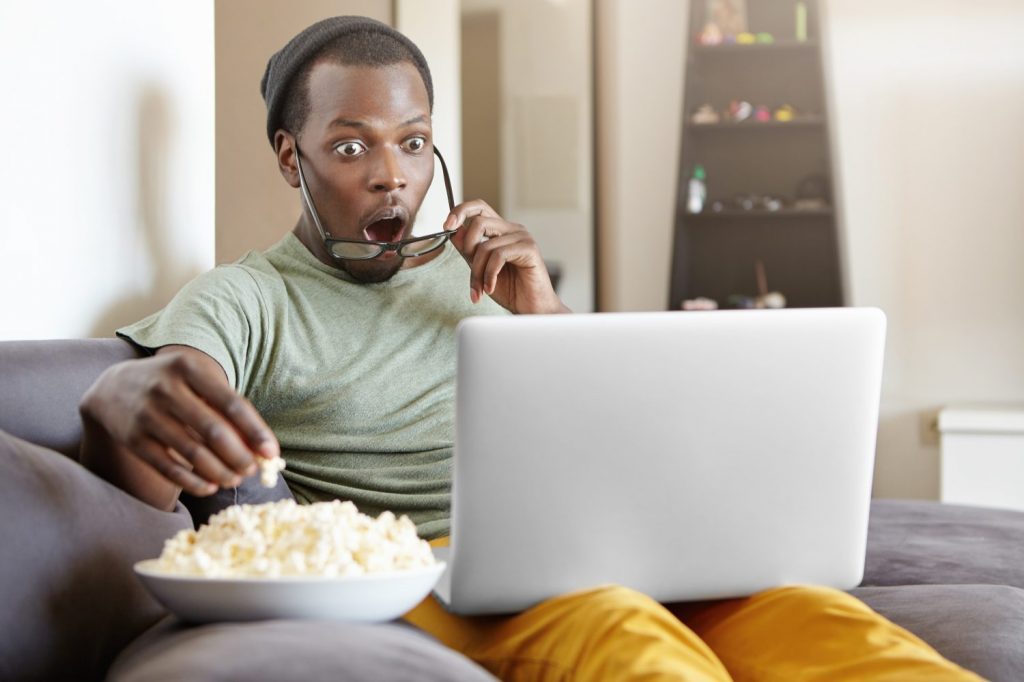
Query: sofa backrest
{"x": 41, "y": 383}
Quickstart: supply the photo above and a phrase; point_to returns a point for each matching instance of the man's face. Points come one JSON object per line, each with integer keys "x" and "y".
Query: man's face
{"x": 367, "y": 155}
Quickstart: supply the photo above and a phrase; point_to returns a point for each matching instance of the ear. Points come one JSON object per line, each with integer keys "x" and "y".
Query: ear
{"x": 284, "y": 147}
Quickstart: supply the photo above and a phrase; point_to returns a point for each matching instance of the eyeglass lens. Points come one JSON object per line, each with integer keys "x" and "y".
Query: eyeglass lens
{"x": 355, "y": 250}
{"x": 410, "y": 249}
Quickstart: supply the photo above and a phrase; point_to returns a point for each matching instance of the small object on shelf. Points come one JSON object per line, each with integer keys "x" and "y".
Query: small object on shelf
{"x": 742, "y": 301}
{"x": 700, "y": 303}
{"x": 710, "y": 35}
{"x": 746, "y": 202}
{"x": 785, "y": 113}
{"x": 698, "y": 191}
{"x": 746, "y": 38}
{"x": 801, "y": 21}
{"x": 728, "y": 15}
{"x": 814, "y": 186}
{"x": 765, "y": 38}
{"x": 740, "y": 110}
{"x": 706, "y": 114}
{"x": 773, "y": 300}
{"x": 762, "y": 114}
{"x": 765, "y": 298}
{"x": 750, "y": 202}
{"x": 810, "y": 204}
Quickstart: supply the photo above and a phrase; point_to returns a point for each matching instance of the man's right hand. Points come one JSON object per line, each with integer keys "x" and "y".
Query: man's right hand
{"x": 168, "y": 423}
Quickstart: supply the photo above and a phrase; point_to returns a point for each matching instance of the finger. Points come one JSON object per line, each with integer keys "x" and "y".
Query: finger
{"x": 157, "y": 456}
{"x": 239, "y": 411}
{"x": 466, "y": 210}
{"x": 476, "y": 230}
{"x": 521, "y": 253}
{"x": 491, "y": 226}
{"x": 471, "y": 235}
{"x": 215, "y": 432}
{"x": 485, "y": 266}
{"x": 204, "y": 463}
{"x": 186, "y": 404}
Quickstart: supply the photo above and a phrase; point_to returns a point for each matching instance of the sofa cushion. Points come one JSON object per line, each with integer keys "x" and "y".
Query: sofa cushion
{"x": 290, "y": 650}
{"x": 44, "y": 380}
{"x": 67, "y": 544}
{"x": 979, "y": 627}
{"x": 920, "y": 542}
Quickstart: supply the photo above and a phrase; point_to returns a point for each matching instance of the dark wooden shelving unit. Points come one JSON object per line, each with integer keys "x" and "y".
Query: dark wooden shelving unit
{"x": 714, "y": 253}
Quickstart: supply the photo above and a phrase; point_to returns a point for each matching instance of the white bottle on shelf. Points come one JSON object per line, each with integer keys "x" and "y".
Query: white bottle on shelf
{"x": 698, "y": 191}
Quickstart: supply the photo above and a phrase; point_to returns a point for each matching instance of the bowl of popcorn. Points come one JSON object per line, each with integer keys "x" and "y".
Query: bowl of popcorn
{"x": 284, "y": 560}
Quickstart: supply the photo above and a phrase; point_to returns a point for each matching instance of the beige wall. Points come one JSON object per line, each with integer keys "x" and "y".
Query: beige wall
{"x": 546, "y": 131}
{"x": 927, "y": 100}
{"x": 482, "y": 113}
{"x": 255, "y": 206}
{"x": 640, "y": 48}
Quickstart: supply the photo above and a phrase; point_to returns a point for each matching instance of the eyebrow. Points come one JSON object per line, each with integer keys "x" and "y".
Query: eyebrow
{"x": 349, "y": 123}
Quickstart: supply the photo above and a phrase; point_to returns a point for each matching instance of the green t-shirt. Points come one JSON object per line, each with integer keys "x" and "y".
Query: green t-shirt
{"x": 357, "y": 381}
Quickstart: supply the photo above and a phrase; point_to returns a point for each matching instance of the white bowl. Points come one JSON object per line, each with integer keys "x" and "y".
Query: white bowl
{"x": 366, "y": 598}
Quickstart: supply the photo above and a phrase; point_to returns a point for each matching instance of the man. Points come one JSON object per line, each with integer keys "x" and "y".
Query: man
{"x": 335, "y": 348}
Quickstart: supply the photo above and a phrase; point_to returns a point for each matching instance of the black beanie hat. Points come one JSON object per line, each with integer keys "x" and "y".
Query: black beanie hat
{"x": 289, "y": 60}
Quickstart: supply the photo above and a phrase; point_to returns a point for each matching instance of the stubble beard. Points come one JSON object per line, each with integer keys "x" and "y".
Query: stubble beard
{"x": 371, "y": 271}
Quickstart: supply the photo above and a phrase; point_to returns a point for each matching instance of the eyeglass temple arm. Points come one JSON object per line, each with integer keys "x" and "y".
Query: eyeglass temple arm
{"x": 309, "y": 199}
{"x": 447, "y": 180}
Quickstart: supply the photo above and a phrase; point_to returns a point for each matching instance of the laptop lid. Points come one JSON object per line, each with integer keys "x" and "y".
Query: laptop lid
{"x": 690, "y": 455}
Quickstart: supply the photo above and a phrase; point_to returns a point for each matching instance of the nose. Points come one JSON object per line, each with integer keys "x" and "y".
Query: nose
{"x": 388, "y": 174}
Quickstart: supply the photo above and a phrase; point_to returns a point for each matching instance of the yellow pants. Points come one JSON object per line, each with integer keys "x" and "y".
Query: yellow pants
{"x": 613, "y": 633}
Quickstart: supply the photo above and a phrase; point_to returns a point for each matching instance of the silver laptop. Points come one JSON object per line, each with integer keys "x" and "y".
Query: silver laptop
{"x": 688, "y": 455}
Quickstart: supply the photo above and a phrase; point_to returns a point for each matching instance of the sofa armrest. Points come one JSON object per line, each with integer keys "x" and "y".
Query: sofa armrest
{"x": 44, "y": 380}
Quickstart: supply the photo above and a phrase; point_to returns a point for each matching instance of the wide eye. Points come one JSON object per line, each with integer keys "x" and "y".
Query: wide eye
{"x": 416, "y": 144}
{"x": 350, "y": 148}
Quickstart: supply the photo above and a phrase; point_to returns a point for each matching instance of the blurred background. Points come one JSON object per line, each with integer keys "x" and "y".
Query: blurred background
{"x": 852, "y": 152}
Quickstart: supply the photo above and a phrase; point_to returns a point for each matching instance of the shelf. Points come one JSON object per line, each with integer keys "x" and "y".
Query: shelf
{"x": 806, "y": 123}
{"x": 710, "y": 216}
{"x": 811, "y": 46}
{"x": 714, "y": 252}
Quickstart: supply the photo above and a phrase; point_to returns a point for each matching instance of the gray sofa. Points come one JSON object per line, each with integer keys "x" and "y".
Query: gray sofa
{"x": 952, "y": 575}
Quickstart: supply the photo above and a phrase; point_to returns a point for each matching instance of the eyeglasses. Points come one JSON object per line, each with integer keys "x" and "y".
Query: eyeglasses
{"x": 362, "y": 249}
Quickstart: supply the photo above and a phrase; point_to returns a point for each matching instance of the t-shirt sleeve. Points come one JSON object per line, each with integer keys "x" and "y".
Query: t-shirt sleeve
{"x": 220, "y": 313}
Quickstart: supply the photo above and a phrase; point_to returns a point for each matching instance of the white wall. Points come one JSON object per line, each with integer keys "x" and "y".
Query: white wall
{"x": 106, "y": 195}
{"x": 928, "y": 104}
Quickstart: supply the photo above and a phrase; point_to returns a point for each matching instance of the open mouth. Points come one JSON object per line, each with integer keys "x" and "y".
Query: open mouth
{"x": 385, "y": 230}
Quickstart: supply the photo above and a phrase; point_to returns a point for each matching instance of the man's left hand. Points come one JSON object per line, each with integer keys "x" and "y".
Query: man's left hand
{"x": 504, "y": 260}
